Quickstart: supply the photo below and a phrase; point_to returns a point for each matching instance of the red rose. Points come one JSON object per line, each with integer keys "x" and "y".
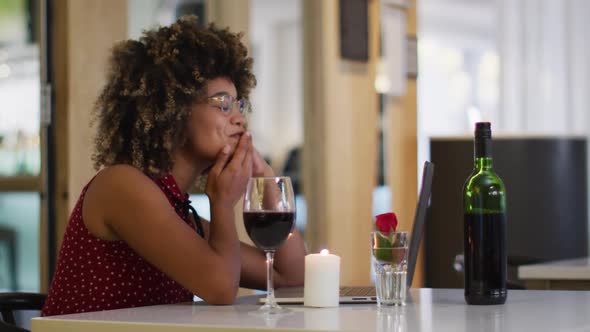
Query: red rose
{"x": 386, "y": 222}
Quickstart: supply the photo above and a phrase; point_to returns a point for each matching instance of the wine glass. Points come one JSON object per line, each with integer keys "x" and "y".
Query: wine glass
{"x": 269, "y": 216}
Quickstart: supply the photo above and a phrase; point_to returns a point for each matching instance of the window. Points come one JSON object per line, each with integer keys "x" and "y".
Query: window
{"x": 20, "y": 157}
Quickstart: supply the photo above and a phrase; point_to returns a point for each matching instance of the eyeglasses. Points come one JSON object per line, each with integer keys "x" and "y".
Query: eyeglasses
{"x": 226, "y": 104}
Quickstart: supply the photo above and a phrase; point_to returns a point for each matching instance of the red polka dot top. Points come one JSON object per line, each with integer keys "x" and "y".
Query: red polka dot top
{"x": 94, "y": 274}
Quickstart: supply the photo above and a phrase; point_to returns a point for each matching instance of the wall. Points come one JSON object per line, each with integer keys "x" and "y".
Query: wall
{"x": 401, "y": 149}
{"x": 276, "y": 33}
{"x": 340, "y": 149}
{"x": 82, "y": 42}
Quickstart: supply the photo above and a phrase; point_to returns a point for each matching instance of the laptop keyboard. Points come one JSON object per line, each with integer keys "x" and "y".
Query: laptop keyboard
{"x": 357, "y": 291}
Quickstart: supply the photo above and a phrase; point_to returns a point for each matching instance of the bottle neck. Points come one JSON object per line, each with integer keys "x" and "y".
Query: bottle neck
{"x": 483, "y": 153}
{"x": 483, "y": 163}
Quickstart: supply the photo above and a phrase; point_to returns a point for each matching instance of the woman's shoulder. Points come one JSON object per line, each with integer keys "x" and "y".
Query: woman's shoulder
{"x": 121, "y": 175}
{"x": 114, "y": 190}
{"x": 118, "y": 182}
{"x": 121, "y": 171}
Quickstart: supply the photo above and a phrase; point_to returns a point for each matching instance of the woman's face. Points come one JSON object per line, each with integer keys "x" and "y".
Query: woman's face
{"x": 209, "y": 127}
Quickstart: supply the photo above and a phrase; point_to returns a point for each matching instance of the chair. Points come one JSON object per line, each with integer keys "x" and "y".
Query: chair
{"x": 8, "y": 236}
{"x": 4, "y": 327}
{"x": 10, "y": 302}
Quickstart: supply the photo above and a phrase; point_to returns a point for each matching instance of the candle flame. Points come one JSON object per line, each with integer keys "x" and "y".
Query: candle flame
{"x": 324, "y": 252}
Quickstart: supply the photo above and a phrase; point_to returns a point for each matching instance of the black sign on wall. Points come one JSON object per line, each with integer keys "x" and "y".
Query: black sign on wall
{"x": 354, "y": 30}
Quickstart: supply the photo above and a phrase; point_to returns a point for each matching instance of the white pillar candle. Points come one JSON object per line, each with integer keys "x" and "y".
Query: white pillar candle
{"x": 322, "y": 280}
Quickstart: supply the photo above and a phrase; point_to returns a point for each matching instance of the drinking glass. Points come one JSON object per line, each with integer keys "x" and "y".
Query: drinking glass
{"x": 269, "y": 217}
{"x": 390, "y": 262}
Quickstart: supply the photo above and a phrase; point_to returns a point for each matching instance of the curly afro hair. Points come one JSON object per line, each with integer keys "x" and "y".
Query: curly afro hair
{"x": 142, "y": 111}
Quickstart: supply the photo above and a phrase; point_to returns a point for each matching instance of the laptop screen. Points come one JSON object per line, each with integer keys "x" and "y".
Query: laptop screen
{"x": 419, "y": 219}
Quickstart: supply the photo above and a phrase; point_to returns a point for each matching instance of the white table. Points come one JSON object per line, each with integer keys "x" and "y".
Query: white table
{"x": 563, "y": 274}
{"x": 429, "y": 310}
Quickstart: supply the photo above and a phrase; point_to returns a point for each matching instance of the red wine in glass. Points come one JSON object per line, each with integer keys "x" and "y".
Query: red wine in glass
{"x": 269, "y": 229}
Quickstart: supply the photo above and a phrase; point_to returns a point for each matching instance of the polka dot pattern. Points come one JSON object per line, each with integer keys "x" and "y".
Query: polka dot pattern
{"x": 94, "y": 274}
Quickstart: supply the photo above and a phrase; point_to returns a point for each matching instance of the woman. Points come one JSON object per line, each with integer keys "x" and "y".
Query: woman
{"x": 173, "y": 110}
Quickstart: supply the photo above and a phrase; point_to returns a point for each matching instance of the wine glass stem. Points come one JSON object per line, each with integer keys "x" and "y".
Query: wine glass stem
{"x": 270, "y": 291}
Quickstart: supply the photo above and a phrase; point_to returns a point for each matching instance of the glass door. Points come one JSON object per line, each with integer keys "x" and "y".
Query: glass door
{"x": 20, "y": 145}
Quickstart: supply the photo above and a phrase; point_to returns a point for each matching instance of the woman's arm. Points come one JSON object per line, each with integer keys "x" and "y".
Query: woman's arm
{"x": 136, "y": 211}
{"x": 289, "y": 264}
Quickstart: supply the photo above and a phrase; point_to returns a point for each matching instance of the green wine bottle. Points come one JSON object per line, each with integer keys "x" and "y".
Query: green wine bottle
{"x": 484, "y": 228}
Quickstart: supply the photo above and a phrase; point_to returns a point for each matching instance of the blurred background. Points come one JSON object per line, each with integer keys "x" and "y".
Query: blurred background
{"x": 352, "y": 131}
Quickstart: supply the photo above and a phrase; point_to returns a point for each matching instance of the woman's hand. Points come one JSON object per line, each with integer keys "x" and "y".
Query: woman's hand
{"x": 227, "y": 181}
{"x": 259, "y": 166}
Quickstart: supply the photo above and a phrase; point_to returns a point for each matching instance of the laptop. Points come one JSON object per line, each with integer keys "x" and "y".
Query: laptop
{"x": 366, "y": 294}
